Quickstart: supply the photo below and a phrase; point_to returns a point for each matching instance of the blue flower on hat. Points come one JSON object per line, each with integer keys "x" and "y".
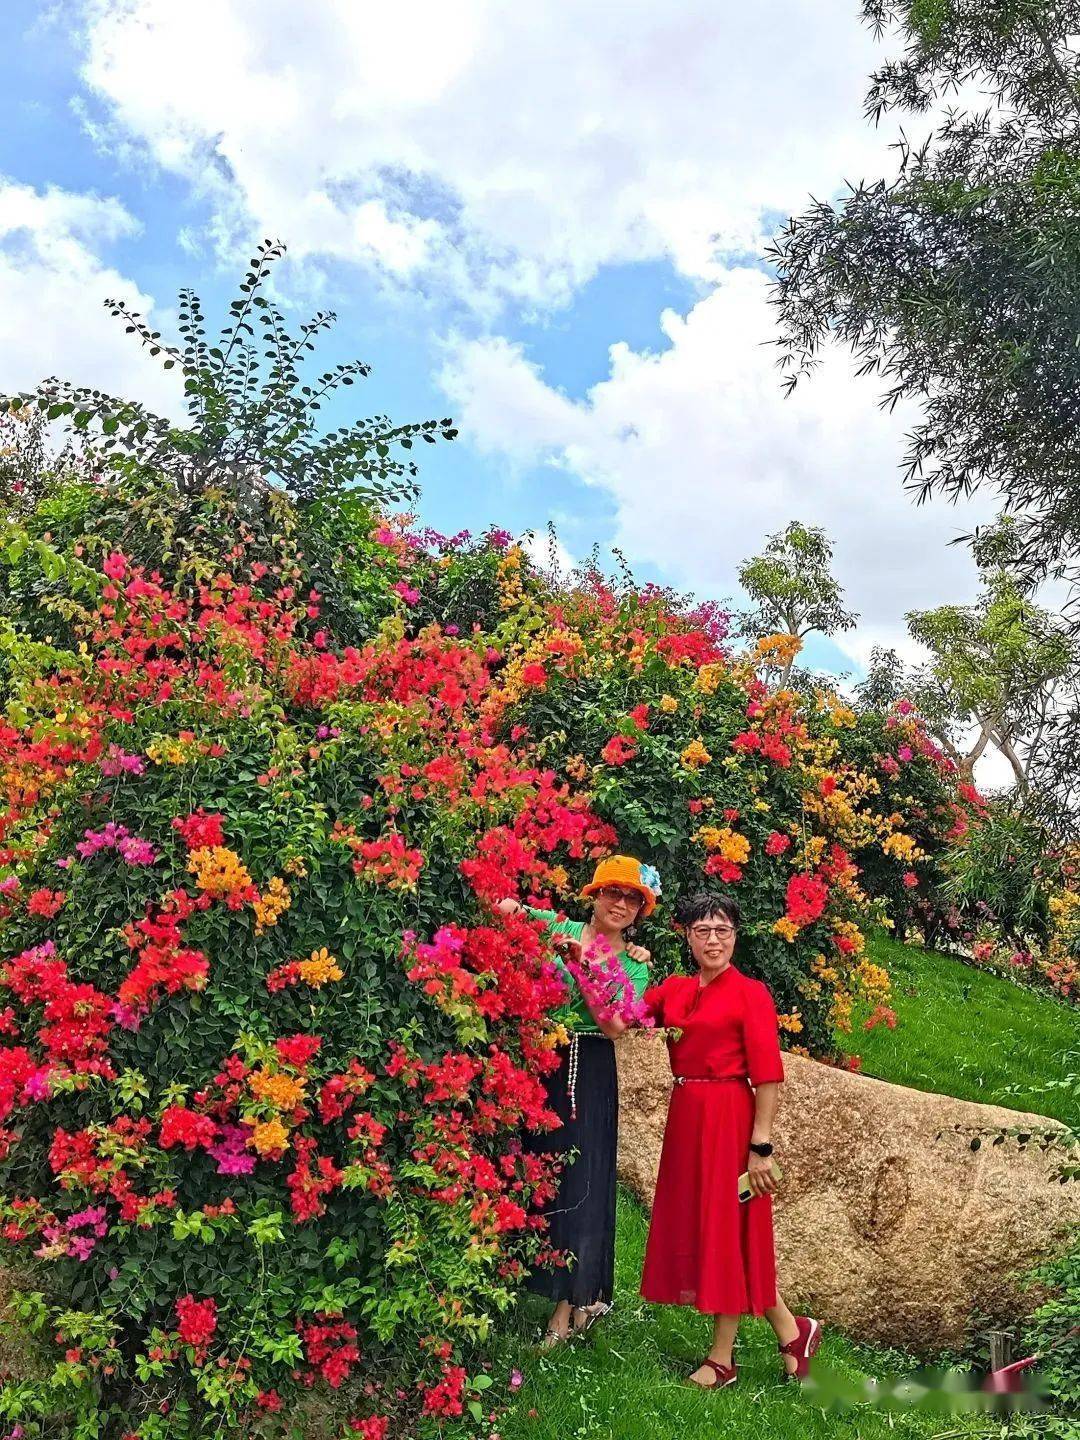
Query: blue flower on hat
{"x": 650, "y": 877}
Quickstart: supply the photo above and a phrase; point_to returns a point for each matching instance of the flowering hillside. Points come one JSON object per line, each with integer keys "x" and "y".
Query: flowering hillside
{"x": 266, "y": 1047}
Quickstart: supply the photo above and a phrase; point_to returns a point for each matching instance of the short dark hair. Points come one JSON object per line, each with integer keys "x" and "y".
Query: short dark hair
{"x": 691, "y": 908}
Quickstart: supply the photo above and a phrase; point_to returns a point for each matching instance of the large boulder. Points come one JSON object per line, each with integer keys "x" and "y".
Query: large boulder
{"x": 888, "y": 1224}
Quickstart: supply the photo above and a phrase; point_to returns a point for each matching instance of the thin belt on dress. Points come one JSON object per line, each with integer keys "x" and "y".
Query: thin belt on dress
{"x": 712, "y": 1079}
{"x": 572, "y": 1067}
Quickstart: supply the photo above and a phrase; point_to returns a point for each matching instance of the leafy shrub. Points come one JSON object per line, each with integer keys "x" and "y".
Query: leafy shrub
{"x": 1054, "y": 1330}
{"x": 266, "y": 1049}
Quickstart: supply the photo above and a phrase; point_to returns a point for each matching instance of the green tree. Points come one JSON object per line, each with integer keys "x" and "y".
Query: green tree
{"x": 792, "y": 588}
{"x": 957, "y": 281}
{"x": 995, "y": 669}
{"x": 253, "y": 418}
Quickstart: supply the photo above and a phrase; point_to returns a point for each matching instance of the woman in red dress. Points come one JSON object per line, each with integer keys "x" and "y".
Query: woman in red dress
{"x": 706, "y": 1248}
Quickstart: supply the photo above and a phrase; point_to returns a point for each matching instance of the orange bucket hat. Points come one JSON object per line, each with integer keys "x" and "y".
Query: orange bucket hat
{"x": 625, "y": 870}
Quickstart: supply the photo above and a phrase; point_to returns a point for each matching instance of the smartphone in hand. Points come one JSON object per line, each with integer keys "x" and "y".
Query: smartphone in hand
{"x": 745, "y": 1193}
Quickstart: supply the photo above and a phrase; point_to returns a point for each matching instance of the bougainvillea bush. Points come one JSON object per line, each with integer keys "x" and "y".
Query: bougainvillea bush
{"x": 267, "y": 1049}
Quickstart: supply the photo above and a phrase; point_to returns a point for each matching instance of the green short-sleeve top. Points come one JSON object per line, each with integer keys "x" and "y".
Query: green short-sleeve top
{"x": 575, "y": 1014}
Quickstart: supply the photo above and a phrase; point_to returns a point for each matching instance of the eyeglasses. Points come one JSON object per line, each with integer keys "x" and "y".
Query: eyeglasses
{"x": 613, "y": 894}
{"x": 702, "y": 932}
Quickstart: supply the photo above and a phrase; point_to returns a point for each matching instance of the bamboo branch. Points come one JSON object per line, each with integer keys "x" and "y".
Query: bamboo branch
{"x": 1070, "y": 91}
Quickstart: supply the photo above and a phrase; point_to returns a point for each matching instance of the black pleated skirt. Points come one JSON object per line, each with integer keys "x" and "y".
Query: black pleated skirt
{"x": 581, "y": 1218}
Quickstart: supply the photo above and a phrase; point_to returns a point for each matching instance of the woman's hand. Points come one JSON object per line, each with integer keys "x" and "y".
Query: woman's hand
{"x": 639, "y": 953}
{"x": 759, "y": 1173}
{"x": 567, "y": 946}
{"x": 508, "y": 906}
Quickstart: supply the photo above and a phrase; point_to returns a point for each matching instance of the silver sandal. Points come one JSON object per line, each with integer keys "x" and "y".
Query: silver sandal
{"x": 593, "y": 1316}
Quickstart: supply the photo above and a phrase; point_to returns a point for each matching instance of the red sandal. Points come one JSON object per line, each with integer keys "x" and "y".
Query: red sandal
{"x": 725, "y": 1375}
{"x": 804, "y": 1346}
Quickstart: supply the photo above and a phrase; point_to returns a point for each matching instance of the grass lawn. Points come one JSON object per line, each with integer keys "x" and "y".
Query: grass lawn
{"x": 961, "y": 1032}
{"x": 966, "y": 1033}
{"x": 626, "y": 1380}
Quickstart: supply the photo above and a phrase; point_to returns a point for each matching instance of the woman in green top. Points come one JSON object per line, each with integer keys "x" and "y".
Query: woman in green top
{"x": 584, "y": 1093}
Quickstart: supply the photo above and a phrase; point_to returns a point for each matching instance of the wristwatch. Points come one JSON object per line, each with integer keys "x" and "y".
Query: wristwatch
{"x": 764, "y": 1149}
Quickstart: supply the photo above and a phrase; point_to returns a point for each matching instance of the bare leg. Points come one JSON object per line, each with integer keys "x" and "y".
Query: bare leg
{"x": 558, "y": 1326}
{"x": 725, "y": 1328}
{"x": 783, "y": 1323}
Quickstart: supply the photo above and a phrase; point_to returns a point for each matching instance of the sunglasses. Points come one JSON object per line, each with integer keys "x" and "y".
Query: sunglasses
{"x": 702, "y": 932}
{"x": 613, "y": 894}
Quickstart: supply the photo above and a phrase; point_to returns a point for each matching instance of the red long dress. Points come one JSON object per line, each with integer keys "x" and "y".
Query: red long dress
{"x": 705, "y": 1248}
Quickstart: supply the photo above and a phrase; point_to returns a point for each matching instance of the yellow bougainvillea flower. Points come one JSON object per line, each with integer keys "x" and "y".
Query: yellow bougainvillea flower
{"x": 271, "y": 904}
{"x": 708, "y": 678}
{"x": 902, "y": 847}
{"x": 668, "y": 704}
{"x": 824, "y": 970}
{"x": 268, "y": 1137}
{"x": 841, "y": 1010}
{"x": 558, "y": 1036}
{"x": 218, "y": 870}
{"x": 873, "y": 981}
{"x": 779, "y": 649}
{"x": 786, "y": 928}
{"x": 791, "y": 1023}
{"x": 727, "y": 843}
{"x": 319, "y": 969}
{"x": 695, "y": 755}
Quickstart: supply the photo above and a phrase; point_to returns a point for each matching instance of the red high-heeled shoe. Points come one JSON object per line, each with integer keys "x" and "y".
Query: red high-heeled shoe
{"x": 803, "y": 1346}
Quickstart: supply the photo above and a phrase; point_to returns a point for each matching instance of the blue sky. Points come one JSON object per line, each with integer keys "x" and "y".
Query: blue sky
{"x": 539, "y": 221}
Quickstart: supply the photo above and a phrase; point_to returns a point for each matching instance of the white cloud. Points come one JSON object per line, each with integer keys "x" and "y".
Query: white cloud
{"x": 502, "y": 151}
{"x": 702, "y": 458}
{"x": 53, "y": 285}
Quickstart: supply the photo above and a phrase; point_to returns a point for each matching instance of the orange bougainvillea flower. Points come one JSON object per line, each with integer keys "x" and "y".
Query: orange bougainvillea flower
{"x": 695, "y": 755}
{"x": 319, "y": 969}
{"x": 269, "y": 1137}
{"x": 280, "y": 1091}
{"x": 222, "y": 874}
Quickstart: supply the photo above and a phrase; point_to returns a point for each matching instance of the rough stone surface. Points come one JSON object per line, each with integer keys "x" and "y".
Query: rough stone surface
{"x": 882, "y": 1229}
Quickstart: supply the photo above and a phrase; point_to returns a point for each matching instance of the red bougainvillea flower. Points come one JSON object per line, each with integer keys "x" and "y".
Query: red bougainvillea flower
{"x": 725, "y": 870}
{"x": 776, "y": 750}
{"x": 806, "y": 898}
{"x": 199, "y": 830}
{"x": 330, "y": 1348}
{"x": 375, "y": 1427}
{"x": 298, "y": 1050}
{"x": 389, "y": 862}
{"x": 45, "y": 903}
{"x": 747, "y": 742}
{"x": 445, "y": 1398}
{"x": 619, "y": 750}
{"x": 777, "y": 844}
{"x": 196, "y": 1320}
{"x": 534, "y": 675}
{"x": 180, "y": 1126}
